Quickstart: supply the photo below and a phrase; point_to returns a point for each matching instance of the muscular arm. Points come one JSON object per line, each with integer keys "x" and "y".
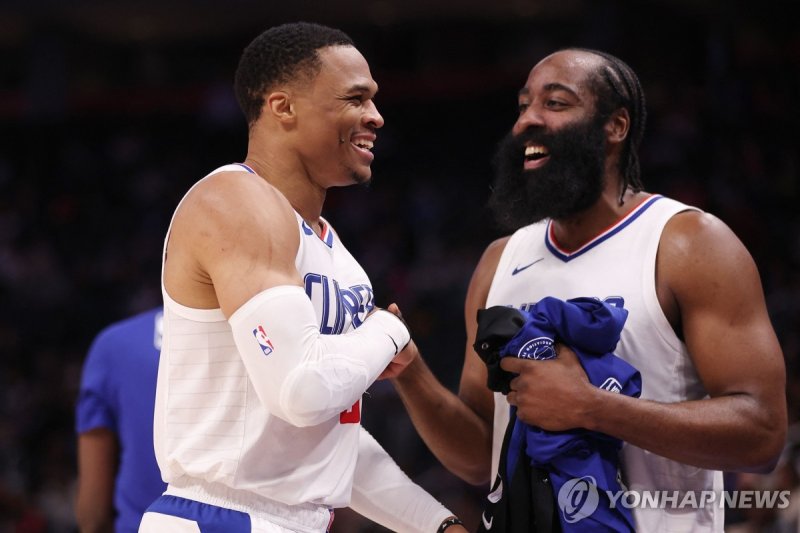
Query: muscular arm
{"x": 241, "y": 235}
{"x": 707, "y": 278}
{"x": 233, "y": 237}
{"x": 457, "y": 429}
{"x": 97, "y": 467}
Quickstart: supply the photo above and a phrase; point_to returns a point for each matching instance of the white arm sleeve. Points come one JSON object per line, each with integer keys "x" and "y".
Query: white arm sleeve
{"x": 300, "y": 375}
{"x": 385, "y": 494}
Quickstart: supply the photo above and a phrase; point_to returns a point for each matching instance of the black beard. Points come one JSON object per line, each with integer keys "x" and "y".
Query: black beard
{"x": 570, "y": 182}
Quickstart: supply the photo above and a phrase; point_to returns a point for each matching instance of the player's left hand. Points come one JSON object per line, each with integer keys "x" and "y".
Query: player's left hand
{"x": 552, "y": 394}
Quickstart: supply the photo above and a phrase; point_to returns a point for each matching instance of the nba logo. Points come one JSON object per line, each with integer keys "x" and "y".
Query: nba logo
{"x": 263, "y": 340}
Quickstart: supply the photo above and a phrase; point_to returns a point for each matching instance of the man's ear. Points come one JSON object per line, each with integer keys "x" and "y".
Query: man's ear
{"x": 279, "y": 104}
{"x": 618, "y": 126}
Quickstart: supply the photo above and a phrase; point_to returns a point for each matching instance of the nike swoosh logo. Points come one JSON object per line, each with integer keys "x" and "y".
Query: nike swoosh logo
{"x": 396, "y": 349}
{"x": 497, "y": 493}
{"x": 517, "y": 270}
{"x": 486, "y": 523}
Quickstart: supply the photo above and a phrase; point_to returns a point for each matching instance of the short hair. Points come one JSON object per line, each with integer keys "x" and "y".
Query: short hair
{"x": 281, "y": 54}
{"x": 616, "y": 86}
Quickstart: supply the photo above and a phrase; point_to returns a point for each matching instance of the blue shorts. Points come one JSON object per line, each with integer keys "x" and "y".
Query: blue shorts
{"x": 181, "y": 515}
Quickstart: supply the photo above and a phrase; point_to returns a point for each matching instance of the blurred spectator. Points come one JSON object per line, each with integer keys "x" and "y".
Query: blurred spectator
{"x": 118, "y": 477}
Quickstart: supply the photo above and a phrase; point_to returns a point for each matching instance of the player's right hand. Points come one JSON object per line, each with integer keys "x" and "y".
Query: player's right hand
{"x": 405, "y": 357}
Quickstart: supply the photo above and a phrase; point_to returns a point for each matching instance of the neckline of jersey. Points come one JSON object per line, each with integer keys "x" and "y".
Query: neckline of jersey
{"x": 613, "y": 229}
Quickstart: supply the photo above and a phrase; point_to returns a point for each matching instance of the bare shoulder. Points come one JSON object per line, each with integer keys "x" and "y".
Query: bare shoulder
{"x": 485, "y": 270}
{"x": 232, "y": 196}
{"x": 496, "y": 248}
{"x": 698, "y": 248}
{"x": 692, "y": 231}
{"x": 482, "y": 277}
{"x": 233, "y": 236}
{"x": 234, "y": 207}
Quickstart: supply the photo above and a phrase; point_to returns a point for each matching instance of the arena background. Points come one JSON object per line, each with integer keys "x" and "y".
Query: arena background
{"x": 110, "y": 110}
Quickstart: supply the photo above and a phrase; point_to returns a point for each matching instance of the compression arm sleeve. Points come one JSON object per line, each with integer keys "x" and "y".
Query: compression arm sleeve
{"x": 300, "y": 375}
{"x": 385, "y": 494}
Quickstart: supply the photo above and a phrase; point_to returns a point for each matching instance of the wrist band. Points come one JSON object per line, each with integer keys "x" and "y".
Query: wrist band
{"x": 452, "y": 521}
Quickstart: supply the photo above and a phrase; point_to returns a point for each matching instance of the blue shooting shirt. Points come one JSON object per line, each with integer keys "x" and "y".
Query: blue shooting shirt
{"x": 117, "y": 392}
{"x": 592, "y": 330}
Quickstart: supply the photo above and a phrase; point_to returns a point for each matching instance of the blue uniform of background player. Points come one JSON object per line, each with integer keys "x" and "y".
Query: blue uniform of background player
{"x": 114, "y": 423}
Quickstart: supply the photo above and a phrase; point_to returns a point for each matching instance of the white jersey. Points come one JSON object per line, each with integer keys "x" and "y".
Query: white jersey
{"x": 209, "y": 424}
{"x": 617, "y": 266}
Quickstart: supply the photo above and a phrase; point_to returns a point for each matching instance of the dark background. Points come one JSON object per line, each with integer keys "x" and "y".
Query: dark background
{"x": 109, "y": 111}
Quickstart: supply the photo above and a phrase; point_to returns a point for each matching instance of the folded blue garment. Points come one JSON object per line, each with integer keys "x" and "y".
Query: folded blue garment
{"x": 592, "y": 330}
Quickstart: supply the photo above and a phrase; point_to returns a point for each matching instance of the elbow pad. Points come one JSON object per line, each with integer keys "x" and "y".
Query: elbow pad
{"x": 300, "y": 375}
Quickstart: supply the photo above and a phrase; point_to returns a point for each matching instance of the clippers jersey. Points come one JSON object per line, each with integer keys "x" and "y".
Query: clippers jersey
{"x": 618, "y": 266}
{"x": 209, "y": 424}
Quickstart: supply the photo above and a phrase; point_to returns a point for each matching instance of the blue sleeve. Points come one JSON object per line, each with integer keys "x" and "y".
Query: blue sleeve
{"x": 95, "y": 407}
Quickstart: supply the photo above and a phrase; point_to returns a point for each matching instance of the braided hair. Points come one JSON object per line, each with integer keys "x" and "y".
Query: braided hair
{"x": 615, "y": 86}
{"x": 281, "y": 54}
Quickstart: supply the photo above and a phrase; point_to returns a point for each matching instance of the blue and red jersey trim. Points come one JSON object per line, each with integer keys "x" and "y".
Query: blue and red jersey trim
{"x": 246, "y": 167}
{"x": 325, "y": 236}
{"x": 552, "y": 245}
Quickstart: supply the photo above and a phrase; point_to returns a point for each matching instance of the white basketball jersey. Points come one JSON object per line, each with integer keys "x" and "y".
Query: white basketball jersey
{"x": 209, "y": 423}
{"x": 617, "y": 266}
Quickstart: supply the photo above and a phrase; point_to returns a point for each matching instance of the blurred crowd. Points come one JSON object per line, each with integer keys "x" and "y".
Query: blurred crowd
{"x": 99, "y": 145}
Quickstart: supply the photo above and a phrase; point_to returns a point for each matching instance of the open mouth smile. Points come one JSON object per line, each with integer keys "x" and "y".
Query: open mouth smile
{"x": 536, "y": 156}
{"x": 363, "y": 146}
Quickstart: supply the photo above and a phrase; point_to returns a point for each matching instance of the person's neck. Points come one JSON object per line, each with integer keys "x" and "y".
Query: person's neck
{"x": 302, "y": 193}
{"x": 573, "y": 232}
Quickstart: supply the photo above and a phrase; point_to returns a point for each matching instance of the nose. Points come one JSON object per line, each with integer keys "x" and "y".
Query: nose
{"x": 372, "y": 117}
{"x": 529, "y": 118}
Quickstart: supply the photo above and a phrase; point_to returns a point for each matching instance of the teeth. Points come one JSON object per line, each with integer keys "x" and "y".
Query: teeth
{"x": 366, "y": 145}
{"x": 535, "y": 150}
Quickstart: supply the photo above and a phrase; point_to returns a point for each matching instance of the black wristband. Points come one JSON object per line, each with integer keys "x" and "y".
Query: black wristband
{"x": 452, "y": 521}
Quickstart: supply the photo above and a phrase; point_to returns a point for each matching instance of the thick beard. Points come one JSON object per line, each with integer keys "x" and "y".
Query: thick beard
{"x": 570, "y": 182}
